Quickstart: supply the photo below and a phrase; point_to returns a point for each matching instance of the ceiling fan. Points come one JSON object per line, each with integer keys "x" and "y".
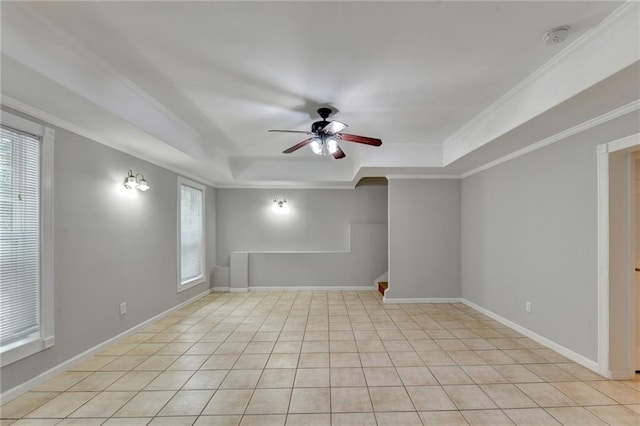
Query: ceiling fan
{"x": 325, "y": 136}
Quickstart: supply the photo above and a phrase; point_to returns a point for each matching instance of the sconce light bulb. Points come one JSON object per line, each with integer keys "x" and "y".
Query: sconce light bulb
{"x": 130, "y": 181}
{"x": 143, "y": 185}
{"x": 280, "y": 205}
{"x": 136, "y": 181}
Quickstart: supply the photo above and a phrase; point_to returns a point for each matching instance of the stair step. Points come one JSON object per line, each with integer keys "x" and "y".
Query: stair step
{"x": 383, "y": 286}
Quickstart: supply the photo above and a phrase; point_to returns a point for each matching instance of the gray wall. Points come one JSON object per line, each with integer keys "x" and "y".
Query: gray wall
{"x": 365, "y": 261}
{"x": 108, "y": 249}
{"x": 529, "y": 234}
{"x": 424, "y": 238}
{"x": 318, "y": 221}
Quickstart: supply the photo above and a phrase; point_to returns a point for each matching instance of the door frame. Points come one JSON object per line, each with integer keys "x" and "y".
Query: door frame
{"x": 633, "y": 251}
{"x": 619, "y": 347}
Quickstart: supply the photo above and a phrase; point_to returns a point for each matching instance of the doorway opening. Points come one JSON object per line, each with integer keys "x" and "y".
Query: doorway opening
{"x": 635, "y": 255}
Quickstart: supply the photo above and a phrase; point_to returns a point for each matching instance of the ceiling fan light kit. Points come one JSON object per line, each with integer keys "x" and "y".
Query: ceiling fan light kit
{"x": 328, "y": 146}
{"x": 325, "y": 136}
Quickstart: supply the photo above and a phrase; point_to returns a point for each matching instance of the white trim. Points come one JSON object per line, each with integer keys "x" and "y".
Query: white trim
{"x": 238, "y": 290}
{"x": 389, "y": 285}
{"x": 627, "y": 142}
{"x": 312, "y": 288}
{"x": 621, "y": 23}
{"x": 45, "y": 337}
{"x": 38, "y": 48}
{"x": 202, "y": 278}
{"x": 25, "y": 347}
{"x": 105, "y": 66}
{"x": 574, "y": 356}
{"x": 620, "y": 374}
{"x": 630, "y": 263}
{"x": 298, "y": 251}
{"x": 219, "y": 289}
{"x": 560, "y": 136}
{"x": 22, "y": 124}
{"x": 387, "y": 300}
{"x": 284, "y": 185}
{"x": 422, "y": 176}
{"x": 603, "y": 257}
{"x": 47, "y": 235}
{"x": 634, "y": 312}
{"x": 63, "y": 124}
{"x": 603, "y": 200}
{"x": 70, "y": 363}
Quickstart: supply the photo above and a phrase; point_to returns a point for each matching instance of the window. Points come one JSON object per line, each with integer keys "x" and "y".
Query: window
{"x": 26, "y": 256}
{"x": 191, "y": 237}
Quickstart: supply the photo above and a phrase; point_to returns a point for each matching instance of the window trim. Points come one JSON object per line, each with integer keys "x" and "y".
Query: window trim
{"x": 202, "y": 278}
{"x": 45, "y": 338}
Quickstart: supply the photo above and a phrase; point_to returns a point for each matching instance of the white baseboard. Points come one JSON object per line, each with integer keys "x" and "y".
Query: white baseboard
{"x": 316, "y": 288}
{"x": 70, "y": 363}
{"x": 386, "y": 299}
{"x": 576, "y": 357}
{"x": 621, "y": 374}
{"x": 238, "y": 290}
{"x": 219, "y": 289}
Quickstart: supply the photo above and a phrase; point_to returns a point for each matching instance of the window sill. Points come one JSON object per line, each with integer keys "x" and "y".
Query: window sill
{"x": 24, "y": 348}
{"x": 191, "y": 283}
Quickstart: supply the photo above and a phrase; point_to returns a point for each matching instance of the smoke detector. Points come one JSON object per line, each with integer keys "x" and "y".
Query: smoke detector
{"x": 556, "y": 35}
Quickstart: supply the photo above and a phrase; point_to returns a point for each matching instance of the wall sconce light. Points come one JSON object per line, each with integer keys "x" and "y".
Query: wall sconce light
{"x": 280, "y": 205}
{"x": 136, "y": 181}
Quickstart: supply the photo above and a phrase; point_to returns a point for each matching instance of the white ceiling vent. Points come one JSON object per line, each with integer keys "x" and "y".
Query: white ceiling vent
{"x": 556, "y": 35}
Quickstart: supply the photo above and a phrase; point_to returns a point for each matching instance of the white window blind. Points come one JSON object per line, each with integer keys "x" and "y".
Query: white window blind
{"x": 191, "y": 234}
{"x": 19, "y": 235}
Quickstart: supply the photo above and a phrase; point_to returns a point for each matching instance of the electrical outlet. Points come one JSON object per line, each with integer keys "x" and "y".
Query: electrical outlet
{"x": 123, "y": 308}
{"x": 527, "y": 306}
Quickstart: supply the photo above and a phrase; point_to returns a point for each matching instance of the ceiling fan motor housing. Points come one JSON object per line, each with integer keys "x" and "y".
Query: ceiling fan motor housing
{"x": 324, "y": 112}
{"x": 318, "y": 126}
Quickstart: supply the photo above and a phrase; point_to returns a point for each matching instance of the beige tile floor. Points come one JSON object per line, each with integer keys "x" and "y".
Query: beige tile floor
{"x": 326, "y": 358}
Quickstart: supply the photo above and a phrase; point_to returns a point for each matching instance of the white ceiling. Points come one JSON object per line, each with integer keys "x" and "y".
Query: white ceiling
{"x": 194, "y": 86}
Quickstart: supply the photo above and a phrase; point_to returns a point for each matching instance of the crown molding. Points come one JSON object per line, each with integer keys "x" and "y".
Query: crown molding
{"x": 36, "y": 113}
{"x": 285, "y": 185}
{"x": 146, "y": 109}
{"x": 558, "y": 137}
{"x": 36, "y": 43}
{"x": 623, "y": 21}
{"x": 579, "y": 128}
{"x": 409, "y": 177}
{"x": 107, "y": 68}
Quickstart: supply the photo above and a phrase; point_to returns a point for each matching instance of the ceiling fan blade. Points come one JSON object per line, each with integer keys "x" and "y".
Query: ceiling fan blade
{"x": 291, "y": 131}
{"x": 339, "y": 154}
{"x": 333, "y": 127}
{"x": 298, "y": 146}
{"x": 360, "y": 139}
